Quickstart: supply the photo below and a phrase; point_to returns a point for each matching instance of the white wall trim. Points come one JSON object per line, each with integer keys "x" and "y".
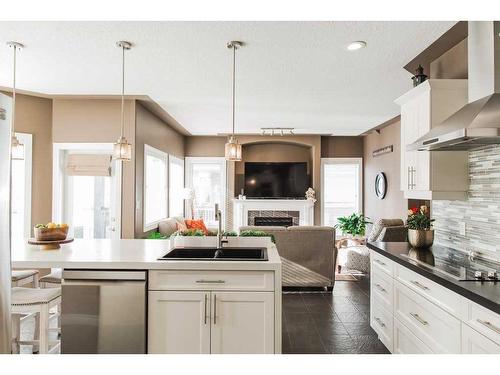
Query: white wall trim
{"x": 149, "y": 150}
{"x": 357, "y": 161}
{"x": 58, "y": 159}
{"x": 27, "y": 140}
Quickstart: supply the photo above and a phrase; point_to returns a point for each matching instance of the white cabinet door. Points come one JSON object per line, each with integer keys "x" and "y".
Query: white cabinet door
{"x": 179, "y": 322}
{"x": 242, "y": 322}
{"x": 475, "y": 343}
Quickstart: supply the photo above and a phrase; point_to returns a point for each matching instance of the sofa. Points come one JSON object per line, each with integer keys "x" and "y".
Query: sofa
{"x": 308, "y": 253}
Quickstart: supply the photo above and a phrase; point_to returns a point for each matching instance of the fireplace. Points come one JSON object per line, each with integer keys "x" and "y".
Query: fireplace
{"x": 262, "y": 221}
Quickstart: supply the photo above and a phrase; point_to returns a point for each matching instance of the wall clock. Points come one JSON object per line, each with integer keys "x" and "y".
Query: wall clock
{"x": 380, "y": 185}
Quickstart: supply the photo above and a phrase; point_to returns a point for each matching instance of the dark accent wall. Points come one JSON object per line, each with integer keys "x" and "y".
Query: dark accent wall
{"x": 341, "y": 147}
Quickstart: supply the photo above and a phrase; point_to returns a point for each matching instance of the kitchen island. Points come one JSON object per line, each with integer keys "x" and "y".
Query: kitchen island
{"x": 189, "y": 306}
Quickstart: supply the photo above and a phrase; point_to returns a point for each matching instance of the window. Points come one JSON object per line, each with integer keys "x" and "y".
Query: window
{"x": 87, "y": 190}
{"x": 21, "y": 191}
{"x": 176, "y": 186}
{"x": 155, "y": 187}
{"x": 207, "y": 177}
{"x": 341, "y": 187}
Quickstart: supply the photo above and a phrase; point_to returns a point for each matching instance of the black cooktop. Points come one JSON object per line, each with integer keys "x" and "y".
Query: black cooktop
{"x": 456, "y": 264}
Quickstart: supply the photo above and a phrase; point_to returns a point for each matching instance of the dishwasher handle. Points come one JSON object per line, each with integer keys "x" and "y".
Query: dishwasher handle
{"x": 104, "y": 275}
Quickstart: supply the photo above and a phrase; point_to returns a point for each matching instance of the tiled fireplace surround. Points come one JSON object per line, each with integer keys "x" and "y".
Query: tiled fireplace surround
{"x": 252, "y": 214}
{"x": 480, "y": 212}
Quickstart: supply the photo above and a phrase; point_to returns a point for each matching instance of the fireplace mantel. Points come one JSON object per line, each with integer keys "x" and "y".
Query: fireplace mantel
{"x": 242, "y": 206}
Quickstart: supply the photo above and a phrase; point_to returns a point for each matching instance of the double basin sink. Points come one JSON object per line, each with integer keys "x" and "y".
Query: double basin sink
{"x": 215, "y": 254}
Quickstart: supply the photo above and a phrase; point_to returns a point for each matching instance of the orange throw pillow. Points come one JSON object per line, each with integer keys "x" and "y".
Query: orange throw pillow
{"x": 197, "y": 224}
{"x": 181, "y": 226}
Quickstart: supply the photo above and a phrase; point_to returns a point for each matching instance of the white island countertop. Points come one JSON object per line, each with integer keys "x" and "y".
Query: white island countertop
{"x": 132, "y": 254}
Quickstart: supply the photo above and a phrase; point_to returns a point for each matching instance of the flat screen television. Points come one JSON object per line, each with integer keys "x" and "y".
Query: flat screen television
{"x": 276, "y": 180}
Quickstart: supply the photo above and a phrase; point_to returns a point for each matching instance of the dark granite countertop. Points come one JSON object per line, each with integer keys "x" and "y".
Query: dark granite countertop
{"x": 446, "y": 267}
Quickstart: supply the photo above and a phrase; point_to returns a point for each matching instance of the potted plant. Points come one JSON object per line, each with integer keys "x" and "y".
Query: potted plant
{"x": 420, "y": 232}
{"x": 353, "y": 225}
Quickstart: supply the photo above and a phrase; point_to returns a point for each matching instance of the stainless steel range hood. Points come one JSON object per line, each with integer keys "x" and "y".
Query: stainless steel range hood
{"x": 476, "y": 124}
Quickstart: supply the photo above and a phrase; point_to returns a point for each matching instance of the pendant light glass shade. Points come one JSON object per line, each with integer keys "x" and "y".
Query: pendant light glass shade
{"x": 122, "y": 150}
{"x": 233, "y": 150}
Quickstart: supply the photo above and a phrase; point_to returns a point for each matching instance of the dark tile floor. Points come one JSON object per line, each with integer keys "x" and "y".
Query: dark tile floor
{"x": 338, "y": 322}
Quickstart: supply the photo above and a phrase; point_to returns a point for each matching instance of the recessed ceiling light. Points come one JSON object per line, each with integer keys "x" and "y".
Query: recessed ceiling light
{"x": 356, "y": 45}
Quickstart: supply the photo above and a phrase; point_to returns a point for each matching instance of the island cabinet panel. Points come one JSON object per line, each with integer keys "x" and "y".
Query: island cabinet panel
{"x": 242, "y": 323}
{"x": 475, "y": 343}
{"x": 179, "y": 322}
{"x": 211, "y": 280}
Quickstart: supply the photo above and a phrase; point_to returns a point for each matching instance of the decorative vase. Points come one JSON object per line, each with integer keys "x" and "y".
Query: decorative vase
{"x": 421, "y": 238}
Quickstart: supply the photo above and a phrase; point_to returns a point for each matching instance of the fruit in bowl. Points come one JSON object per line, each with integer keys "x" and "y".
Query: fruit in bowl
{"x": 51, "y": 232}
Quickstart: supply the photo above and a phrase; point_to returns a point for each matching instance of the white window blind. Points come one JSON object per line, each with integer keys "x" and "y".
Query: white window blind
{"x": 88, "y": 165}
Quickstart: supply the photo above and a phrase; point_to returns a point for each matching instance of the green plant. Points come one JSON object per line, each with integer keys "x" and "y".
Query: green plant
{"x": 354, "y": 224}
{"x": 418, "y": 218}
{"x": 257, "y": 233}
{"x": 189, "y": 233}
{"x": 156, "y": 236}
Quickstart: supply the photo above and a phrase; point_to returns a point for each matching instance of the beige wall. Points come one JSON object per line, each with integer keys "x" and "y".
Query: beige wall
{"x": 214, "y": 146}
{"x": 154, "y": 132}
{"x": 34, "y": 116}
{"x": 394, "y": 204}
{"x": 98, "y": 121}
{"x": 341, "y": 147}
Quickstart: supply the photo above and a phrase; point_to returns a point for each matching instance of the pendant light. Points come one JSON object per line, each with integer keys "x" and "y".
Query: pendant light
{"x": 122, "y": 150}
{"x": 233, "y": 148}
{"x": 17, "y": 148}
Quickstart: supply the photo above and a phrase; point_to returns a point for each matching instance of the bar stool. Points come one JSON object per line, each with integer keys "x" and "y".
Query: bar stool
{"x": 52, "y": 280}
{"x": 27, "y": 301}
{"x": 23, "y": 277}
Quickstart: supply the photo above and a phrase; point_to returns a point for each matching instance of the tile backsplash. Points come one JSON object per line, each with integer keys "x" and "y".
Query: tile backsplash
{"x": 480, "y": 212}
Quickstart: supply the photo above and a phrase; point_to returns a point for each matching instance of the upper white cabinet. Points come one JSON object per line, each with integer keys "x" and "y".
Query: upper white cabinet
{"x": 438, "y": 174}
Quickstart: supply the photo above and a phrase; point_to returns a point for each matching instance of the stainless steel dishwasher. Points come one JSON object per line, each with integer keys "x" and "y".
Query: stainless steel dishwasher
{"x": 103, "y": 312}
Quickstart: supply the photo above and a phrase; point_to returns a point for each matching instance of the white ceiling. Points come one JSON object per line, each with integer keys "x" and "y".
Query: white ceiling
{"x": 289, "y": 74}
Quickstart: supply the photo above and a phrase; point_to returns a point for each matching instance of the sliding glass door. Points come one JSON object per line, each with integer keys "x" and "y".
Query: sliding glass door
{"x": 341, "y": 180}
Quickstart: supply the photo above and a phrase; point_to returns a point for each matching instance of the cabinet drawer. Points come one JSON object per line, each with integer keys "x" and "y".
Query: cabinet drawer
{"x": 211, "y": 280}
{"x": 475, "y": 343}
{"x": 436, "y": 328}
{"x": 382, "y": 263}
{"x": 439, "y": 295}
{"x": 382, "y": 289}
{"x": 382, "y": 322}
{"x": 405, "y": 342}
{"x": 481, "y": 319}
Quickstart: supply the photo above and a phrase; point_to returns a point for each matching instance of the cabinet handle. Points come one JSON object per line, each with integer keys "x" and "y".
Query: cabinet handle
{"x": 419, "y": 319}
{"x": 205, "y": 309}
{"x": 416, "y": 283}
{"x": 408, "y": 178}
{"x": 489, "y": 325}
{"x": 379, "y": 287}
{"x": 379, "y": 262}
{"x": 414, "y": 178}
{"x": 210, "y": 281}
{"x": 380, "y": 322}
{"x": 215, "y": 309}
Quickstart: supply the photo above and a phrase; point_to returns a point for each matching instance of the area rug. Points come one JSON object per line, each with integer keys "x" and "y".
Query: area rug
{"x": 345, "y": 277}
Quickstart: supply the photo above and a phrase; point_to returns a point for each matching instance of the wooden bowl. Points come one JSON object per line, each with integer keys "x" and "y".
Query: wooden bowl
{"x": 50, "y": 234}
